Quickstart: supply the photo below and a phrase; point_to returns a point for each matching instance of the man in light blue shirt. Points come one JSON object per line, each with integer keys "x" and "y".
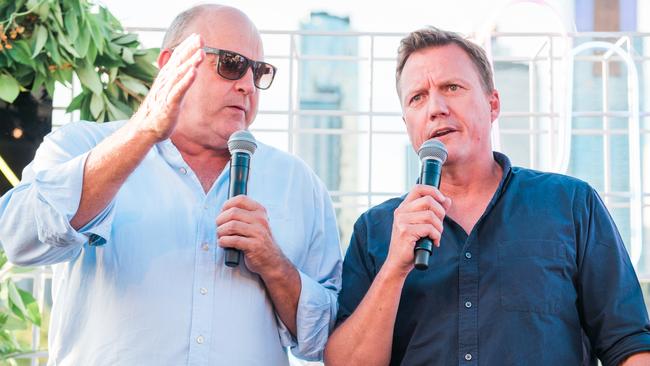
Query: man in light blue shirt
{"x": 134, "y": 217}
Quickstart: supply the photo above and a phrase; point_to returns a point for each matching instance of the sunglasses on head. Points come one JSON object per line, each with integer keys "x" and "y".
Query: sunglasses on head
{"x": 233, "y": 66}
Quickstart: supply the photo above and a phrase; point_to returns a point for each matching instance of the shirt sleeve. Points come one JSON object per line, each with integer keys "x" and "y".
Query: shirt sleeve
{"x": 357, "y": 273}
{"x": 611, "y": 302}
{"x": 320, "y": 277}
{"x": 35, "y": 215}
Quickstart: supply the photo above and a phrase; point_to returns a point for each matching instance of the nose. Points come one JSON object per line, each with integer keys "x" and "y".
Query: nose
{"x": 437, "y": 106}
{"x": 245, "y": 85}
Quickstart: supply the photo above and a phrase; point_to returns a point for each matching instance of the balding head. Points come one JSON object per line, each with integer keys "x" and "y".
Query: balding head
{"x": 185, "y": 22}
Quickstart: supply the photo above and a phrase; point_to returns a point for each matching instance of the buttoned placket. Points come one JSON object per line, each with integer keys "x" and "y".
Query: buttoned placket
{"x": 468, "y": 274}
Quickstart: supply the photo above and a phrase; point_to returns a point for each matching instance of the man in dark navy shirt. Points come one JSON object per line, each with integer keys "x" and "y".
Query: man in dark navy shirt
{"x": 529, "y": 268}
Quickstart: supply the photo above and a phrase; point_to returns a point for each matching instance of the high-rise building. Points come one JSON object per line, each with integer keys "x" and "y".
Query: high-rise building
{"x": 329, "y": 85}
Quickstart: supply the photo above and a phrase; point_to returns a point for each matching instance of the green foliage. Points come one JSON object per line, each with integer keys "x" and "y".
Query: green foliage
{"x": 18, "y": 311}
{"x": 43, "y": 41}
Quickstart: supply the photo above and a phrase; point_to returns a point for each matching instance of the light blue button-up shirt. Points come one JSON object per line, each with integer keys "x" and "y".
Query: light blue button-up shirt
{"x": 145, "y": 283}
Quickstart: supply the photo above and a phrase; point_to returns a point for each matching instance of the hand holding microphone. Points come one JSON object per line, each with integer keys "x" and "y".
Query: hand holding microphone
{"x": 242, "y": 146}
{"x": 243, "y": 224}
{"x": 417, "y": 221}
{"x": 433, "y": 155}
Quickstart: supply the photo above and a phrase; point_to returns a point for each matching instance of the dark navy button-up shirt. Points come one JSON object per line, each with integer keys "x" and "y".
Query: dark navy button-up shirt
{"x": 542, "y": 279}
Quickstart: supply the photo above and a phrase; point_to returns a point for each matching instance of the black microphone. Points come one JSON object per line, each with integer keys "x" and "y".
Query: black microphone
{"x": 241, "y": 145}
{"x": 433, "y": 154}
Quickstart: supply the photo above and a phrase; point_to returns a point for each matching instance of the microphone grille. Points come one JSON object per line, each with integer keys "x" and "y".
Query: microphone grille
{"x": 242, "y": 141}
{"x": 433, "y": 149}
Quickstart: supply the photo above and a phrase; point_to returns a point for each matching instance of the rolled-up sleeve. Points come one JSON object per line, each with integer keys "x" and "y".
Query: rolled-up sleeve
{"x": 320, "y": 277}
{"x": 613, "y": 311}
{"x": 35, "y": 215}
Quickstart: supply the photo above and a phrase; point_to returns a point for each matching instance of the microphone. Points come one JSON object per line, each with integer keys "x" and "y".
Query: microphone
{"x": 241, "y": 145}
{"x": 433, "y": 155}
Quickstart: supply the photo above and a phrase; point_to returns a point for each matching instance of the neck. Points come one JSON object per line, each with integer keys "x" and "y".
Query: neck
{"x": 470, "y": 187}
{"x": 207, "y": 163}
{"x": 461, "y": 180}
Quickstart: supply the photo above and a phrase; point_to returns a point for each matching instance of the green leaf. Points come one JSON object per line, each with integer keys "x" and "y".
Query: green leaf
{"x": 133, "y": 84}
{"x": 126, "y": 39}
{"x": 82, "y": 43}
{"x": 91, "y": 56}
{"x": 127, "y": 55}
{"x": 65, "y": 43}
{"x": 90, "y": 78}
{"x": 15, "y": 300}
{"x": 72, "y": 27}
{"x": 3, "y": 258}
{"x": 21, "y": 53}
{"x": 49, "y": 86}
{"x": 76, "y": 102}
{"x": 43, "y": 11}
{"x": 53, "y": 50}
{"x": 32, "y": 313}
{"x": 112, "y": 74}
{"x": 40, "y": 33}
{"x": 96, "y": 105}
{"x": 38, "y": 81}
{"x": 116, "y": 113}
{"x": 56, "y": 10}
{"x": 95, "y": 33}
{"x": 9, "y": 88}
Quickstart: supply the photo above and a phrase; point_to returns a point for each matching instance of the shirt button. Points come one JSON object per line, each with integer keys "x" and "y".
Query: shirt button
{"x": 468, "y": 255}
{"x": 183, "y": 171}
{"x": 205, "y": 247}
{"x": 203, "y": 290}
{"x": 468, "y": 357}
{"x": 200, "y": 340}
{"x": 468, "y": 304}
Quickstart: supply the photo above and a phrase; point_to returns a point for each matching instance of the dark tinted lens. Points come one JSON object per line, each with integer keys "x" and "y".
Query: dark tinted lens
{"x": 264, "y": 74}
{"x": 232, "y": 65}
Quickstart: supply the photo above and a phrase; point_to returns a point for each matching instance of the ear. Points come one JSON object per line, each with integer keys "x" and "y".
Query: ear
{"x": 495, "y": 104}
{"x": 163, "y": 57}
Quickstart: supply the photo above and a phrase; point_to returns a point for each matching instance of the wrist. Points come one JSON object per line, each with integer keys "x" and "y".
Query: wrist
{"x": 395, "y": 271}
{"x": 278, "y": 270}
{"x": 137, "y": 133}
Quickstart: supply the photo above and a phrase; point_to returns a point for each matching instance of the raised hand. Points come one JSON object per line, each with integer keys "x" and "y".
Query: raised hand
{"x": 158, "y": 113}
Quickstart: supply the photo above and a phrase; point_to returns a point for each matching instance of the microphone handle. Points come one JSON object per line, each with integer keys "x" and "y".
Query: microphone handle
{"x": 430, "y": 175}
{"x": 239, "y": 167}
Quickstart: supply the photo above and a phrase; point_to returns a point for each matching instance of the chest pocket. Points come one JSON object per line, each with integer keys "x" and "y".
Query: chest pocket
{"x": 535, "y": 276}
{"x": 288, "y": 231}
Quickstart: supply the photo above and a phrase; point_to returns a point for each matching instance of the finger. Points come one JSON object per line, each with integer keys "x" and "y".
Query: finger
{"x": 420, "y": 190}
{"x": 178, "y": 89}
{"x": 236, "y": 242}
{"x": 170, "y": 78}
{"x": 244, "y": 202}
{"x": 421, "y": 217}
{"x": 422, "y": 231}
{"x": 426, "y": 203}
{"x": 426, "y": 230}
{"x": 185, "y": 50}
{"x": 238, "y": 214}
{"x": 240, "y": 229}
